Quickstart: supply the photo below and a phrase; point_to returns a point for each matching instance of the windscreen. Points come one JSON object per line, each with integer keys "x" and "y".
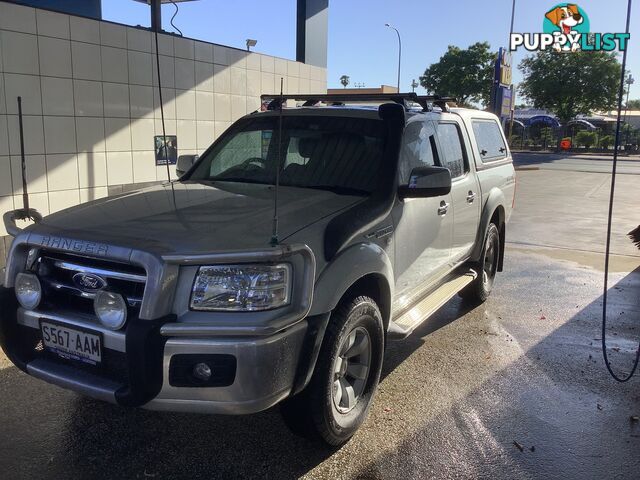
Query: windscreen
{"x": 339, "y": 154}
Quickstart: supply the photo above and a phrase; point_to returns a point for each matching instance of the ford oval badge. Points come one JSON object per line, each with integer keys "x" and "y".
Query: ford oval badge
{"x": 89, "y": 281}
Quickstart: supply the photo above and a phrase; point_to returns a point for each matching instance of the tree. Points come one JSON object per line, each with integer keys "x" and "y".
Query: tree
{"x": 570, "y": 84}
{"x": 547, "y": 137}
{"x": 466, "y": 74}
{"x": 633, "y": 105}
{"x": 583, "y": 137}
{"x": 344, "y": 80}
{"x": 607, "y": 141}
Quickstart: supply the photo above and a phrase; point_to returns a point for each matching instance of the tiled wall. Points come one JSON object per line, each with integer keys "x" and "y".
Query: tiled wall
{"x": 91, "y": 105}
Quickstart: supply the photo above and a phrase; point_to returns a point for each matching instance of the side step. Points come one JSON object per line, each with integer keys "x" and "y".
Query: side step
{"x": 403, "y": 325}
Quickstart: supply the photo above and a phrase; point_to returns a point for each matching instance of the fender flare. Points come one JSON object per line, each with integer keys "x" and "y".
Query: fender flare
{"x": 495, "y": 201}
{"x": 349, "y": 266}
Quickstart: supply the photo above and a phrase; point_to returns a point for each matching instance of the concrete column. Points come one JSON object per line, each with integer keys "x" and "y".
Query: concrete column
{"x": 312, "y": 32}
{"x": 156, "y": 15}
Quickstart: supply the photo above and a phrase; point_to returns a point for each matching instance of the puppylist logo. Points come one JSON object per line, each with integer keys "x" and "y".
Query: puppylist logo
{"x": 566, "y": 28}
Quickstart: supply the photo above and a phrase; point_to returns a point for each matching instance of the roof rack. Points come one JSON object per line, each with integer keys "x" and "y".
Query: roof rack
{"x": 404, "y": 99}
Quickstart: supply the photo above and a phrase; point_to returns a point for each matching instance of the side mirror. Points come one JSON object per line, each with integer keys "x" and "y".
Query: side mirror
{"x": 426, "y": 182}
{"x": 184, "y": 163}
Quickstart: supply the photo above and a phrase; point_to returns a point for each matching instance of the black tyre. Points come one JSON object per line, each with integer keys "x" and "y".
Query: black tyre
{"x": 480, "y": 289}
{"x": 338, "y": 397}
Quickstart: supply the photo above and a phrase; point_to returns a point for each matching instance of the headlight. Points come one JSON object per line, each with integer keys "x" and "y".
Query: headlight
{"x": 111, "y": 309}
{"x": 241, "y": 287}
{"x": 28, "y": 290}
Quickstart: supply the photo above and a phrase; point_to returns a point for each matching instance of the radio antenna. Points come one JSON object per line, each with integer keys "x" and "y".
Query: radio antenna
{"x": 164, "y": 131}
{"x": 274, "y": 235}
{"x": 23, "y": 164}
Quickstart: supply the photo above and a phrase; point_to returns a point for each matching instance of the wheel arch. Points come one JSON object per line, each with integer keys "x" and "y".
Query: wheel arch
{"x": 493, "y": 212}
{"x": 372, "y": 285}
{"x": 365, "y": 269}
{"x": 362, "y": 269}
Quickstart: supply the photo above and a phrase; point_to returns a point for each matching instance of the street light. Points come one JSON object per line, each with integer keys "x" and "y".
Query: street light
{"x": 629, "y": 81}
{"x": 414, "y": 85}
{"x": 251, "y": 43}
{"x": 399, "y": 52}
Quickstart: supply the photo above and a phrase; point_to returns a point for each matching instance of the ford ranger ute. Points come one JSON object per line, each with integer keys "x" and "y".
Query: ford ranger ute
{"x": 274, "y": 270}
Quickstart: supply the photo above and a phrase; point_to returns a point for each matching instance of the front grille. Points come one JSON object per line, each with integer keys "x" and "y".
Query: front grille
{"x": 63, "y": 293}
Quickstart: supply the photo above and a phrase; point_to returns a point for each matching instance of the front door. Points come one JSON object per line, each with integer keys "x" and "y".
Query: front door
{"x": 423, "y": 226}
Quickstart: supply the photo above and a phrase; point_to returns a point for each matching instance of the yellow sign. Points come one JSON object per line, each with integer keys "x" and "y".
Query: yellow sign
{"x": 505, "y": 68}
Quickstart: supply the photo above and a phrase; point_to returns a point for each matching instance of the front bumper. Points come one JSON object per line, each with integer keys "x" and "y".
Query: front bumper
{"x": 137, "y": 370}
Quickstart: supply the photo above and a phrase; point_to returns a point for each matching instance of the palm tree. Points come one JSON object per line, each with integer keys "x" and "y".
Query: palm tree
{"x": 635, "y": 236}
{"x": 344, "y": 80}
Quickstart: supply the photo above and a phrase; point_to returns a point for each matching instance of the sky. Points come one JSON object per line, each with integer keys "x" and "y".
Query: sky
{"x": 361, "y": 47}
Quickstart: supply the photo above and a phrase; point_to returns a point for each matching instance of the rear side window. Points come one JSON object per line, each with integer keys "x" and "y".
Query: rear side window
{"x": 451, "y": 148}
{"x": 490, "y": 141}
{"x": 418, "y": 149}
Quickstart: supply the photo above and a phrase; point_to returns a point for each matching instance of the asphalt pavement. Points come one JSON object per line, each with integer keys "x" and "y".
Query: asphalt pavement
{"x": 589, "y": 163}
{"x": 514, "y": 388}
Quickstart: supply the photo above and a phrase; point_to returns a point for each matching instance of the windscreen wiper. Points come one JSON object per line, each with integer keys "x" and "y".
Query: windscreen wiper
{"x": 237, "y": 180}
{"x": 340, "y": 190}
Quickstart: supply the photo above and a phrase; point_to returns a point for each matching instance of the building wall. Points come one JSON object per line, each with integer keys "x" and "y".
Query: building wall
{"x": 91, "y": 103}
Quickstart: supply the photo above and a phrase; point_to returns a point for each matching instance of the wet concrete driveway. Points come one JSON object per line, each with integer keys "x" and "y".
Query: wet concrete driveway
{"x": 515, "y": 388}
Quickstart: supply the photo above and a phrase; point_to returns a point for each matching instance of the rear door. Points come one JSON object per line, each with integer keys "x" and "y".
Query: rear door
{"x": 466, "y": 198}
{"x": 423, "y": 226}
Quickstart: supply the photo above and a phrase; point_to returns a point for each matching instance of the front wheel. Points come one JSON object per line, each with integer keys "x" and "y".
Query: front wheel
{"x": 480, "y": 289}
{"x": 346, "y": 376}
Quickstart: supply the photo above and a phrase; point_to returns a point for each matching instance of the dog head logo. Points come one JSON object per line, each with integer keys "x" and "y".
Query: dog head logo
{"x": 565, "y": 18}
{"x": 566, "y": 22}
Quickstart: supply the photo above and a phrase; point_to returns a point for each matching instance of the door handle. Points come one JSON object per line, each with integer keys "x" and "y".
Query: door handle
{"x": 443, "y": 209}
{"x": 471, "y": 197}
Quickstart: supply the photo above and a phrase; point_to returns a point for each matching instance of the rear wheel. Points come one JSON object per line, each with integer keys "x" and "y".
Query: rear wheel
{"x": 345, "y": 378}
{"x": 480, "y": 289}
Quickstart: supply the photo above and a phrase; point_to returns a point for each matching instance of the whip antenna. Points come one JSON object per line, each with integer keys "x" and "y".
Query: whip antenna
{"x": 23, "y": 163}
{"x": 274, "y": 235}
{"x": 164, "y": 132}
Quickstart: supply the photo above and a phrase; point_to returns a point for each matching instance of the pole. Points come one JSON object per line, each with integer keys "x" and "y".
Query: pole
{"x": 513, "y": 17}
{"x": 513, "y": 99}
{"x": 610, "y": 220}
{"x": 156, "y": 15}
{"x": 513, "y": 111}
{"x": 399, "y": 52}
{"x": 629, "y": 82}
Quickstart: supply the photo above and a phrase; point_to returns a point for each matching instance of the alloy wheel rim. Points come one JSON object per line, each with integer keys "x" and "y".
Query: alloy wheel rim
{"x": 490, "y": 262}
{"x": 351, "y": 369}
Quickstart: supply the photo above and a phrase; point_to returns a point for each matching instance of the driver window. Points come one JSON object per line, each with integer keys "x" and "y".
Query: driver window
{"x": 241, "y": 147}
{"x": 293, "y": 153}
{"x": 418, "y": 149}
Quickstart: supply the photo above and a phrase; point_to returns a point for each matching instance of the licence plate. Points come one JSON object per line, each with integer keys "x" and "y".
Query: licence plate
{"x": 72, "y": 343}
